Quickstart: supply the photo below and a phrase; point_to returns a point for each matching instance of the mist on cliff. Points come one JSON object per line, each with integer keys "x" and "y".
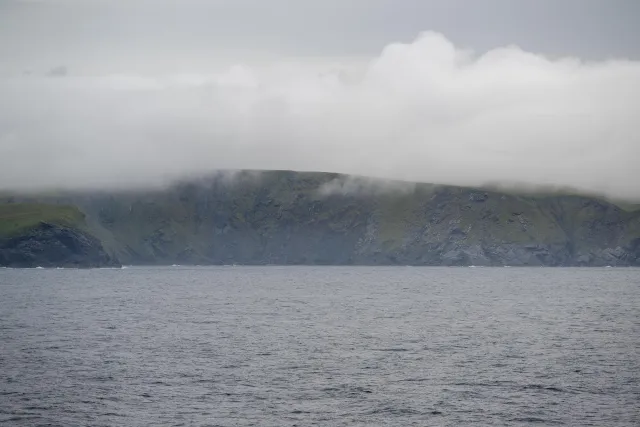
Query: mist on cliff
{"x": 423, "y": 111}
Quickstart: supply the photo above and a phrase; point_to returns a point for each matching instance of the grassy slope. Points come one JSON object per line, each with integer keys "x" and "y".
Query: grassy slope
{"x": 20, "y": 217}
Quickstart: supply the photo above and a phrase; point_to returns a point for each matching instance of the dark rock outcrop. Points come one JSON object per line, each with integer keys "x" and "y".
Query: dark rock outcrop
{"x": 51, "y": 245}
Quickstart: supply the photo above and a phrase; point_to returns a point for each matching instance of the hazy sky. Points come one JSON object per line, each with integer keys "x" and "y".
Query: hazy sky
{"x": 98, "y": 92}
{"x": 122, "y": 35}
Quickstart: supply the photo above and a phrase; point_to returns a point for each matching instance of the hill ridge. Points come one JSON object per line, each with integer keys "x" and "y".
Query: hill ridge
{"x": 286, "y": 217}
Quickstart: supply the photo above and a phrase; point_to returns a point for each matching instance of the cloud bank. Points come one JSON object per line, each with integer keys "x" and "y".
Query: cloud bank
{"x": 424, "y": 111}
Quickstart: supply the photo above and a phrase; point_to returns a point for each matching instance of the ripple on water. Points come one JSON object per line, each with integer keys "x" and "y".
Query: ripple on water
{"x": 319, "y": 346}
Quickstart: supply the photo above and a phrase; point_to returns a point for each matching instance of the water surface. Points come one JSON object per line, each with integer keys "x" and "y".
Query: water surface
{"x": 300, "y": 346}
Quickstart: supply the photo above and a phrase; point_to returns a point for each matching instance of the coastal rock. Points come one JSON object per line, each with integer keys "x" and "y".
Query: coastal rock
{"x": 50, "y": 245}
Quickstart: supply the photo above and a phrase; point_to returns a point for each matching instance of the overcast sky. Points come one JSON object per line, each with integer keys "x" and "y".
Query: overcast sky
{"x": 98, "y": 92}
{"x": 120, "y": 35}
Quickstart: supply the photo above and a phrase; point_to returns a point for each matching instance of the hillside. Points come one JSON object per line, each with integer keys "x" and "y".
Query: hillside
{"x": 319, "y": 218}
{"x": 48, "y": 235}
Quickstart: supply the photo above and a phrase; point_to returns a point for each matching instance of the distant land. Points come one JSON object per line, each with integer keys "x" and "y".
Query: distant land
{"x": 305, "y": 218}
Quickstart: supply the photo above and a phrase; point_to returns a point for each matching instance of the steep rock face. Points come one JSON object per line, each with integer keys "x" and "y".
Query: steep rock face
{"x": 290, "y": 218}
{"x": 50, "y": 245}
{"x": 318, "y": 218}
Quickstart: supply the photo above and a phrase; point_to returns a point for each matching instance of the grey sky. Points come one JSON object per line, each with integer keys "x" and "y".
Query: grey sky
{"x": 104, "y": 93}
{"x": 142, "y": 34}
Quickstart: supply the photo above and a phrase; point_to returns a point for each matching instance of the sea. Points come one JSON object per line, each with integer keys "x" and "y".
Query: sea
{"x": 320, "y": 346}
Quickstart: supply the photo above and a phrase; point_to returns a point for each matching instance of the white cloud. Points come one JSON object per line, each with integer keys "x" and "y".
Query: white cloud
{"x": 422, "y": 111}
{"x": 351, "y": 185}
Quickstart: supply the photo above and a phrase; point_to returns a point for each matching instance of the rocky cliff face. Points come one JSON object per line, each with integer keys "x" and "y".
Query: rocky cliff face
{"x": 315, "y": 218}
{"x": 50, "y": 245}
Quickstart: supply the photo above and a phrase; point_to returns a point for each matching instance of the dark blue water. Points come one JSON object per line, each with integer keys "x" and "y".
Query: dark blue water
{"x": 286, "y": 346}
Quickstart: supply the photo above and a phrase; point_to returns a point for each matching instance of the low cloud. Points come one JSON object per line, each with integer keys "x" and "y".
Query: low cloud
{"x": 357, "y": 185}
{"x": 425, "y": 111}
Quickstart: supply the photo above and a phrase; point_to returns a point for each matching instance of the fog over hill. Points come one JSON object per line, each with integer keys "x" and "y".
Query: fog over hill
{"x": 425, "y": 110}
{"x": 450, "y": 132}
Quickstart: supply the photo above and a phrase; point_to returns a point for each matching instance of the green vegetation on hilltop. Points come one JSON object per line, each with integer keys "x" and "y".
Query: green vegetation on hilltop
{"x": 48, "y": 235}
{"x": 16, "y": 218}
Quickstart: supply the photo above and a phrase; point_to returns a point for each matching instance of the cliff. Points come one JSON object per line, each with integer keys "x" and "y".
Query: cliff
{"x": 321, "y": 218}
{"x": 37, "y": 235}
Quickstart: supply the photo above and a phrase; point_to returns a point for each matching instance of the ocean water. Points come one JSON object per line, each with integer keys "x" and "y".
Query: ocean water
{"x": 330, "y": 346}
